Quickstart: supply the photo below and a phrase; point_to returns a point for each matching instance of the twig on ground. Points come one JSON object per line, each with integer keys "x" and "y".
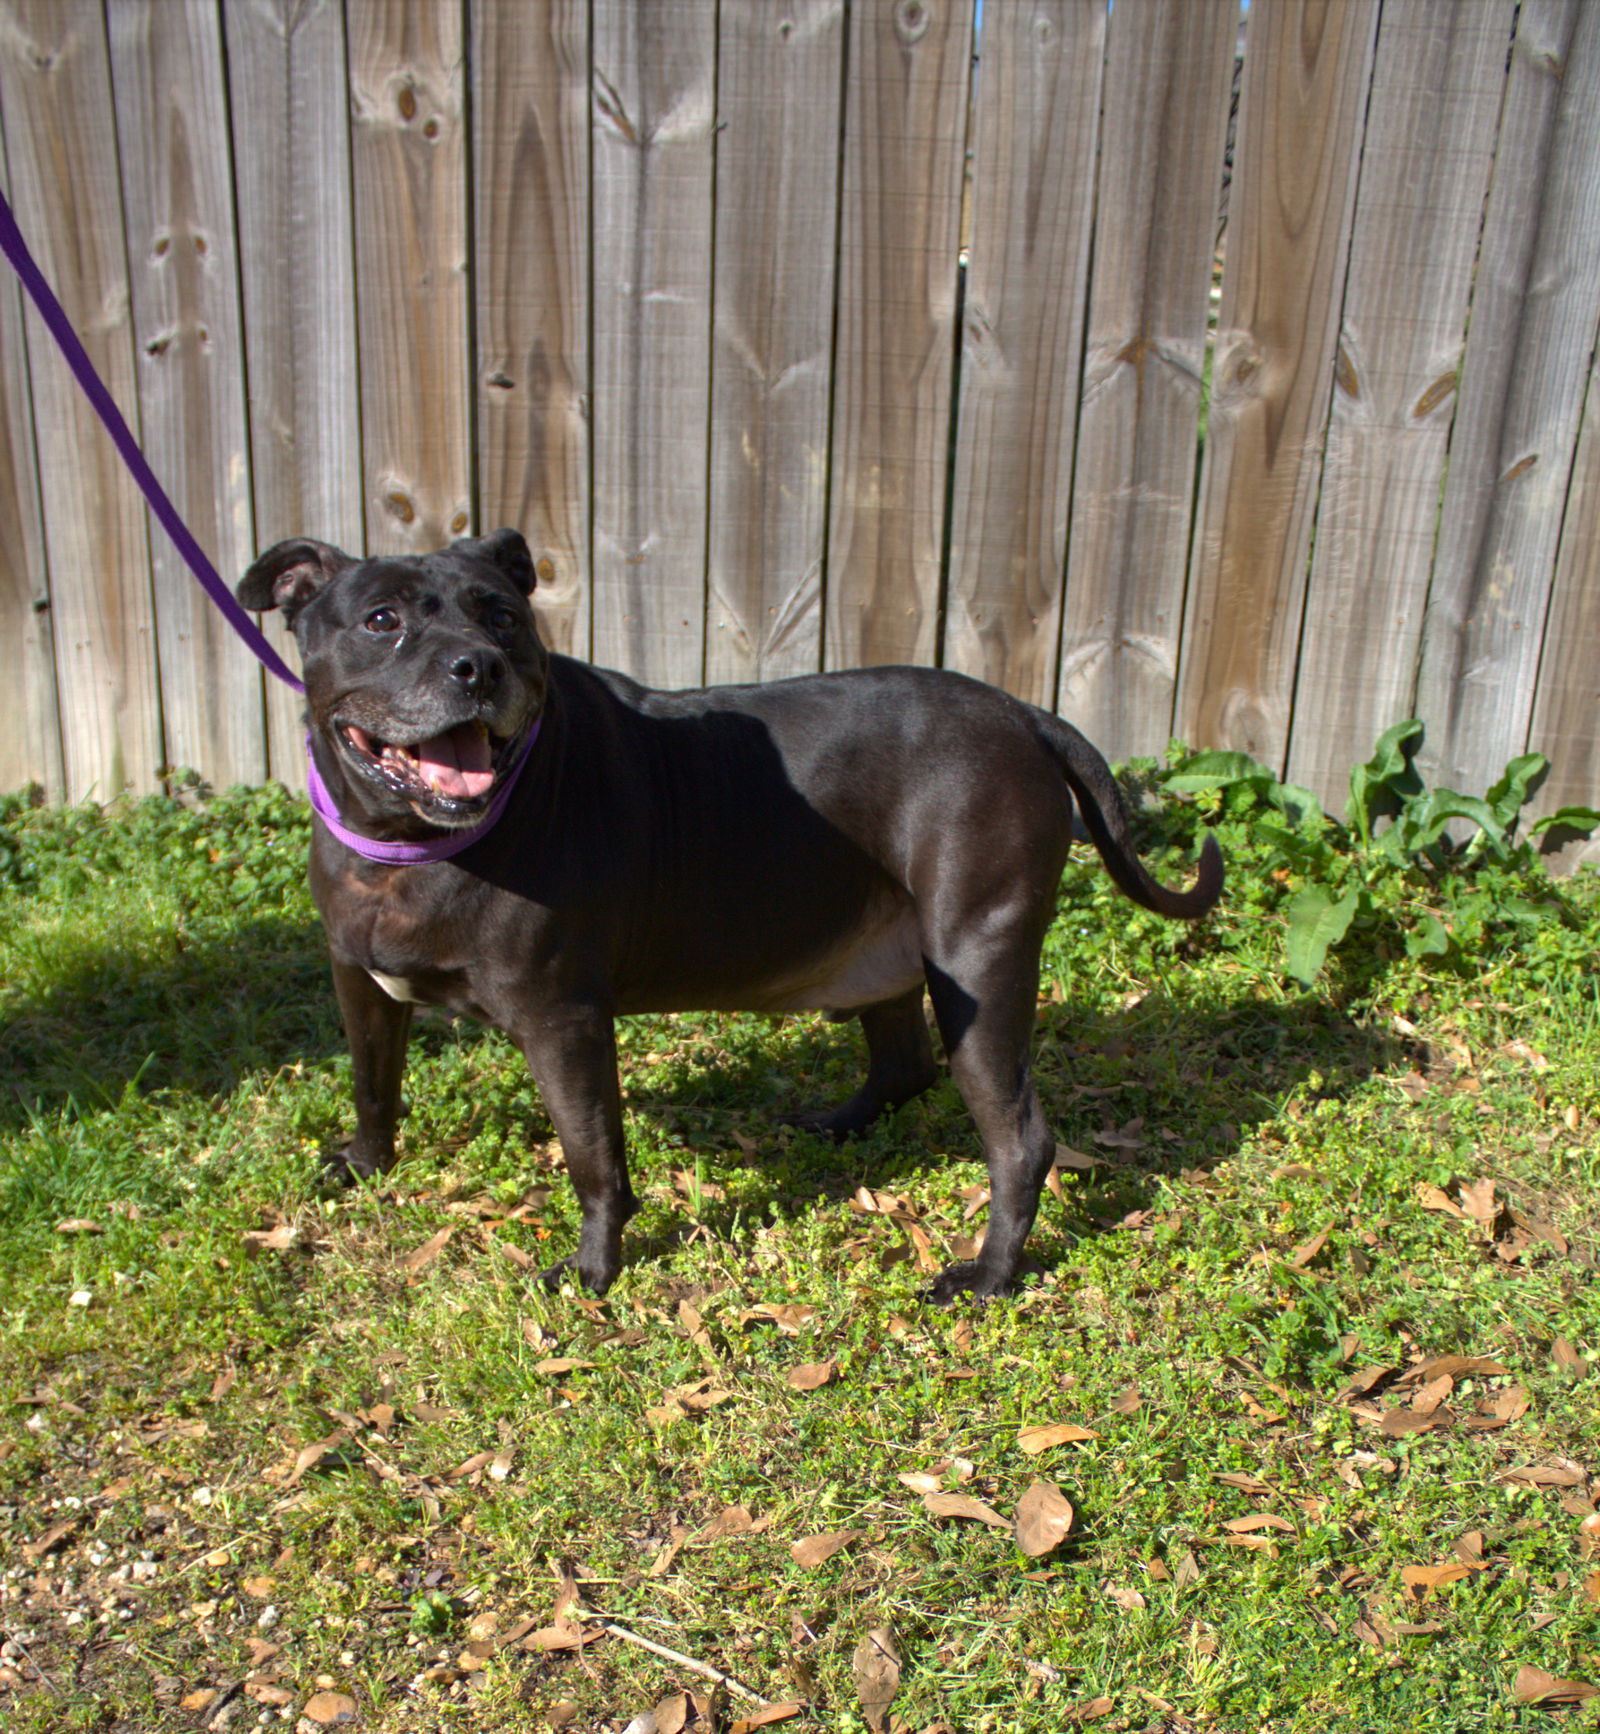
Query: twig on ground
{"x": 678, "y": 1656}
{"x": 27, "y": 1656}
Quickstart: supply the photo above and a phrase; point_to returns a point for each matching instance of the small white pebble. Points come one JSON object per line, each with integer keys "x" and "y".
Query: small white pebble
{"x": 267, "y": 1618}
{"x": 81, "y": 1297}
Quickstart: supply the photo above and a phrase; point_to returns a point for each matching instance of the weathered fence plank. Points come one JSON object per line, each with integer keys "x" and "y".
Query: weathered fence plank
{"x": 530, "y": 267}
{"x": 30, "y": 725}
{"x": 1300, "y": 116}
{"x": 654, "y": 117}
{"x": 1038, "y": 114}
{"x": 177, "y": 194}
{"x": 1169, "y": 76}
{"x": 408, "y": 150}
{"x": 55, "y": 93}
{"x": 1534, "y": 318}
{"x": 289, "y": 109}
{"x": 1566, "y": 712}
{"x": 1437, "y": 82}
{"x": 905, "y": 131}
{"x": 780, "y": 84}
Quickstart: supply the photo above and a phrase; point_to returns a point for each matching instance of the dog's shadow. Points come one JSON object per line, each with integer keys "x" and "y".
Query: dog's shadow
{"x": 1169, "y": 1086}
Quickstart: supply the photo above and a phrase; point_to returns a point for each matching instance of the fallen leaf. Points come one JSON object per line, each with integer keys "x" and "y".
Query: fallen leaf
{"x": 331, "y": 1709}
{"x": 1090, "y": 1710}
{"x": 79, "y": 1225}
{"x": 1261, "y": 1520}
{"x": 1033, "y": 1440}
{"x": 1434, "y": 1198}
{"x": 1044, "y": 1515}
{"x": 963, "y": 1505}
{"x": 1129, "y": 1402}
{"x": 1546, "y": 1475}
{"x": 731, "y": 1520}
{"x": 1478, "y": 1200}
{"x": 790, "y": 1320}
{"x": 562, "y": 1364}
{"x": 1565, "y": 1355}
{"x": 258, "y": 1588}
{"x": 1308, "y": 1250}
{"x": 1535, "y": 1686}
{"x": 1420, "y": 1579}
{"x": 813, "y": 1550}
{"x": 52, "y": 1538}
{"x": 764, "y": 1718}
{"x": 1453, "y": 1367}
{"x": 1127, "y": 1599}
{"x": 671, "y": 1713}
{"x": 1591, "y": 1587}
{"x": 876, "y": 1667}
{"x": 199, "y": 1699}
{"x": 1251, "y": 1484}
{"x": 424, "y": 1255}
{"x": 1397, "y": 1423}
{"x": 813, "y": 1375}
{"x": 276, "y": 1239}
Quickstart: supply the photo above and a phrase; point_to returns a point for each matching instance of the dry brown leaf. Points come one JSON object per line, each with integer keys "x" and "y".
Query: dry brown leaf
{"x": 1397, "y": 1423}
{"x": 1546, "y": 1475}
{"x": 1090, "y": 1710}
{"x": 1478, "y": 1200}
{"x": 1251, "y": 1484}
{"x": 790, "y": 1320}
{"x": 1565, "y": 1355}
{"x": 258, "y": 1588}
{"x": 200, "y": 1699}
{"x": 813, "y": 1550}
{"x": 1434, "y": 1198}
{"x": 277, "y": 1239}
{"x": 1129, "y": 1402}
{"x": 1127, "y": 1599}
{"x": 1044, "y": 1516}
{"x": 1454, "y": 1367}
{"x": 764, "y": 1718}
{"x": 1428, "y": 1397}
{"x": 963, "y": 1505}
{"x": 52, "y": 1538}
{"x": 79, "y": 1225}
{"x": 1535, "y": 1686}
{"x": 1308, "y": 1250}
{"x": 331, "y": 1709}
{"x": 1591, "y": 1587}
{"x": 671, "y": 1713}
{"x": 876, "y": 1667}
{"x": 424, "y": 1255}
{"x": 731, "y": 1520}
{"x": 1420, "y": 1579}
{"x": 813, "y": 1375}
{"x": 562, "y": 1364}
{"x": 1033, "y": 1440}
{"x": 1260, "y": 1520}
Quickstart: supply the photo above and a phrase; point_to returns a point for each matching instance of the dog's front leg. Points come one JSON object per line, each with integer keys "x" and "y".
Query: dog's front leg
{"x": 376, "y": 1027}
{"x": 573, "y": 1057}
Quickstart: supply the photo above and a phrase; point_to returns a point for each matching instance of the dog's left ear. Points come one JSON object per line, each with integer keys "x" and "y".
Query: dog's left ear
{"x": 507, "y": 549}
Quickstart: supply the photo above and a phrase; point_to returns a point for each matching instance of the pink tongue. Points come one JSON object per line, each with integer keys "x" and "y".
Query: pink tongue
{"x": 456, "y": 763}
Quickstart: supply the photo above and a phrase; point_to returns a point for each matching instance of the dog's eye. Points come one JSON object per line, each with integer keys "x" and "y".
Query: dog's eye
{"x": 499, "y": 618}
{"x": 382, "y": 620}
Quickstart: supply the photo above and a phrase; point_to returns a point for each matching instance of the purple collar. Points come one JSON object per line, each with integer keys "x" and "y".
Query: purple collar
{"x": 441, "y": 848}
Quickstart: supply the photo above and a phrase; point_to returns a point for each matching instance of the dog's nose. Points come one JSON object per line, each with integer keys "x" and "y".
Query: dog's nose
{"x": 478, "y": 672}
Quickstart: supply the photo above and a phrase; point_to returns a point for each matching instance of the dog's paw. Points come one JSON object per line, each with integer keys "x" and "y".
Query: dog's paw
{"x": 572, "y": 1268}
{"x": 967, "y": 1280}
{"x": 839, "y": 1124}
{"x": 345, "y": 1166}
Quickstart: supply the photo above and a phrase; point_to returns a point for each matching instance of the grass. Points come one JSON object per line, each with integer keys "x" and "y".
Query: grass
{"x": 265, "y": 1445}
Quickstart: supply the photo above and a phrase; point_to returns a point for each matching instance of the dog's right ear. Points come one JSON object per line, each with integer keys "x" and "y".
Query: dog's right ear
{"x": 289, "y": 575}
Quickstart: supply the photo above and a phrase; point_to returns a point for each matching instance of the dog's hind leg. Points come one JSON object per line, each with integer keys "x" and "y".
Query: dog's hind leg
{"x": 985, "y": 1007}
{"x": 900, "y": 1066}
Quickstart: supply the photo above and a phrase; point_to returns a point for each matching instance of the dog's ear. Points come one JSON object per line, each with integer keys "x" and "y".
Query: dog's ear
{"x": 289, "y": 575}
{"x": 507, "y": 549}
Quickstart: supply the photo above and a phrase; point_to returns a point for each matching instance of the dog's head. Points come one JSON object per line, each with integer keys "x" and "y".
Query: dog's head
{"x": 423, "y": 674}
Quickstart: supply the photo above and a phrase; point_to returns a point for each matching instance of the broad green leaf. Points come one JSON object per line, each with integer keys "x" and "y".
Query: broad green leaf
{"x": 1516, "y": 784}
{"x": 1316, "y": 922}
{"x": 1429, "y": 938}
{"x": 1581, "y": 819}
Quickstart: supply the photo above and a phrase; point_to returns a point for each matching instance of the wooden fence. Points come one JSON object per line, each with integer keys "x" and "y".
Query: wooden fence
{"x": 803, "y": 333}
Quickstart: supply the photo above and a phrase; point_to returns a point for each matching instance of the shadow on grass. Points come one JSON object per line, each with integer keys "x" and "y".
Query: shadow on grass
{"x": 1168, "y": 1086}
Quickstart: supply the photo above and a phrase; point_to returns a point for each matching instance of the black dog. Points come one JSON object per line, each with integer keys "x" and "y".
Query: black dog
{"x": 837, "y": 842}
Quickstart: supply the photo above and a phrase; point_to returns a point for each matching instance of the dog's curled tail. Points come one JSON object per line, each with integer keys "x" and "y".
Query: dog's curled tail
{"x": 1106, "y": 819}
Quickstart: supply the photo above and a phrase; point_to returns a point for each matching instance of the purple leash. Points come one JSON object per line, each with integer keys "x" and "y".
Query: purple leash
{"x": 77, "y": 358}
{"x": 59, "y": 325}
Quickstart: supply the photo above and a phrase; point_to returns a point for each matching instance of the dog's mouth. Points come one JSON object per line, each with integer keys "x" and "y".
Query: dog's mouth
{"x": 445, "y": 778}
